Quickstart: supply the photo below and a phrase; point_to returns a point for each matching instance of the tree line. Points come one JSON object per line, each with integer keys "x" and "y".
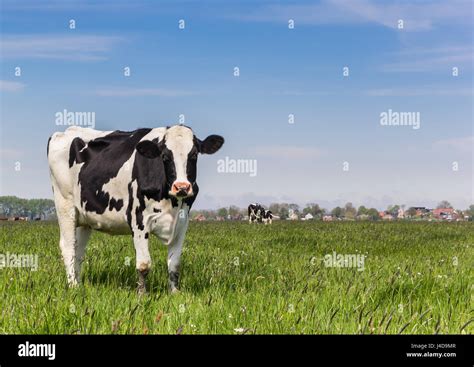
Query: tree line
{"x": 12, "y": 206}
{"x": 348, "y": 211}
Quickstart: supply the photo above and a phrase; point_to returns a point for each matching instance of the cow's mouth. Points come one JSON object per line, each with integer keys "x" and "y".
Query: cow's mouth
{"x": 181, "y": 194}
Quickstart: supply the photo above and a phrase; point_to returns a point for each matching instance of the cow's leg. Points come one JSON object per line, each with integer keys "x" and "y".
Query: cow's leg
{"x": 143, "y": 258}
{"x": 175, "y": 249}
{"x": 67, "y": 242}
{"x": 82, "y": 236}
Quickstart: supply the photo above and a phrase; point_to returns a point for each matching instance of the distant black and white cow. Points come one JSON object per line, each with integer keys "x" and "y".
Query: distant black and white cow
{"x": 137, "y": 182}
{"x": 267, "y": 217}
{"x": 255, "y": 212}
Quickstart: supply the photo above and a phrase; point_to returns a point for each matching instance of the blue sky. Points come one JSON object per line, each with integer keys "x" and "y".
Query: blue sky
{"x": 282, "y": 71}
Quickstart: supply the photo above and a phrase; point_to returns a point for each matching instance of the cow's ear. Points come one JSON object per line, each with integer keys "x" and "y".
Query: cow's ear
{"x": 211, "y": 144}
{"x": 148, "y": 149}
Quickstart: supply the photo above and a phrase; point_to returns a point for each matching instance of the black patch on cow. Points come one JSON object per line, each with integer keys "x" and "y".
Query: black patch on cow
{"x": 75, "y": 154}
{"x": 189, "y": 201}
{"x": 151, "y": 183}
{"x": 139, "y": 215}
{"x": 191, "y": 165}
{"x": 103, "y": 157}
{"x": 115, "y": 204}
{"x": 146, "y": 235}
{"x": 155, "y": 210}
{"x": 168, "y": 162}
{"x": 47, "y": 147}
{"x": 130, "y": 205}
{"x": 173, "y": 279}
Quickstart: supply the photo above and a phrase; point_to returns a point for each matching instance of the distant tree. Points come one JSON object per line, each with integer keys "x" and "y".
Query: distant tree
{"x": 362, "y": 210}
{"x": 393, "y": 209}
{"x": 314, "y": 210}
{"x": 349, "y": 211}
{"x": 470, "y": 212}
{"x": 337, "y": 212}
{"x": 283, "y": 210}
{"x": 13, "y": 206}
{"x": 411, "y": 212}
{"x": 373, "y": 214}
{"x": 274, "y": 207}
{"x": 233, "y": 211}
{"x": 222, "y": 212}
{"x": 444, "y": 204}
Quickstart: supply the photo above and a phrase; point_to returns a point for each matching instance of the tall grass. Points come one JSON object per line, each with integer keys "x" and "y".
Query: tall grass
{"x": 240, "y": 278}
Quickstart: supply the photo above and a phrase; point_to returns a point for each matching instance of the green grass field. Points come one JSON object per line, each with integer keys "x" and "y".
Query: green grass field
{"x": 238, "y": 278}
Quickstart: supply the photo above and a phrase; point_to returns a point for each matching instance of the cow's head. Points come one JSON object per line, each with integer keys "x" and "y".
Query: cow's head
{"x": 178, "y": 150}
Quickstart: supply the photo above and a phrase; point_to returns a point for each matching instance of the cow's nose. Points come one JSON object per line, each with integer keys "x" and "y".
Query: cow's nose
{"x": 182, "y": 189}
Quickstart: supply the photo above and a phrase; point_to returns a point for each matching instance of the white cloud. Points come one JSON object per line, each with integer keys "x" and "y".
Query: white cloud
{"x": 416, "y": 15}
{"x": 135, "y": 92}
{"x": 427, "y": 59}
{"x": 463, "y": 144}
{"x": 70, "y": 47}
{"x": 9, "y": 86}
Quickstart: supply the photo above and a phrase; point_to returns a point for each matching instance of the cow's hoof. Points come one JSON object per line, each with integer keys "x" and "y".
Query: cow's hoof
{"x": 141, "y": 291}
{"x": 175, "y": 291}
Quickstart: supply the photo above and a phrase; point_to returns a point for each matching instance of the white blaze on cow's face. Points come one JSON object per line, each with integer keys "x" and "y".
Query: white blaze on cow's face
{"x": 181, "y": 153}
{"x": 179, "y": 150}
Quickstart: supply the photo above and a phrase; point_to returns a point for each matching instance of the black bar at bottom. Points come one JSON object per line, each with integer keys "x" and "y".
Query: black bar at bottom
{"x": 430, "y": 349}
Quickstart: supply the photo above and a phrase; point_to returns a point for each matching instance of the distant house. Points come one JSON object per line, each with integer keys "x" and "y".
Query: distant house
{"x": 445, "y": 213}
{"x": 386, "y": 216}
{"x": 293, "y": 216}
{"x": 401, "y": 213}
{"x": 200, "y": 218}
{"x": 308, "y": 216}
{"x": 421, "y": 211}
{"x": 328, "y": 218}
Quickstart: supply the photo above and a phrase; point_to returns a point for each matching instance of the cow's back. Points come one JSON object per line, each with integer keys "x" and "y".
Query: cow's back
{"x": 59, "y": 147}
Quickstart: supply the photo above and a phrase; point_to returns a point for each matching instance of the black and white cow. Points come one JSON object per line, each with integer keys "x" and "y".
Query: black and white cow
{"x": 137, "y": 182}
{"x": 255, "y": 212}
{"x": 267, "y": 217}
